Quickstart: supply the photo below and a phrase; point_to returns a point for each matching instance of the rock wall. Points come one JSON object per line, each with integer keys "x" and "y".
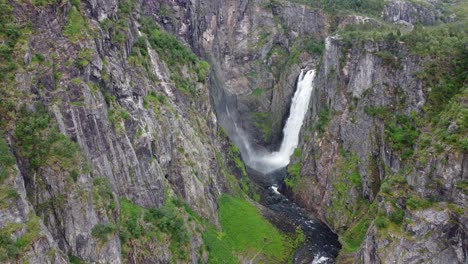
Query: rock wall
{"x": 138, "y": 136}
{"x": 354, "y": 178}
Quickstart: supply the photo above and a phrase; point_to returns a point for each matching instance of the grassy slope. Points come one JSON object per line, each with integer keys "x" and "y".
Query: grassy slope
{"x": 246, "y": 234}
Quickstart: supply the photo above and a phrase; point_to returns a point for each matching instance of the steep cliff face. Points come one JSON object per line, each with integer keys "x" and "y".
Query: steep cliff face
{"x": 103, "y": 121}
{"x": 256, "y": 49}
{"x": 376, "y": 163}
{"x": 110, "y": 150}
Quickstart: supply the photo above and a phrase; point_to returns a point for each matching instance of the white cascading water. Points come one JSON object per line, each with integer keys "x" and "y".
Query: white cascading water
{"x": 300, "y": 104}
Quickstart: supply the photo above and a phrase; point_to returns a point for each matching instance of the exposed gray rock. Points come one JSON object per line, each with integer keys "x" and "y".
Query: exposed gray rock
{"x": 412, "y": 12}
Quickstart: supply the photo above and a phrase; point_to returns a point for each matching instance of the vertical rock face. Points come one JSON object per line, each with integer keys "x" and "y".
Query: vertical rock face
{"x": 105, "y": 116}
{"x": 248, "y": 42}
{"x": 138, "y": 136}
{"x": 412, "y": 12}
{"x": 349, "y": 165}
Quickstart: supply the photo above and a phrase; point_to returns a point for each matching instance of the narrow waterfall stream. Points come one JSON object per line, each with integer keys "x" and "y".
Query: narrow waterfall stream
{"x": 268, "y": 171}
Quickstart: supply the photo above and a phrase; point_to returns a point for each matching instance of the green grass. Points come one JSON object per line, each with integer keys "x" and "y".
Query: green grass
{"x": 314, "y": 46}
{"x": 244, "y": 232}
{"x": 323, "y": 119}
{"x": 84, "y": 58}
{"x": 402, "y": 133}
{"x": 220, "y": 250}
{"x": 10, "y": 33}
{"x": 43, "y": 2}
{"x": 353, "y": 237}
{"x": 103, "y": 232}
{"x": 294, "y": 175}
{"x": 39, "y": 140}
{"x": 381, "y": 222}
{"x": 415, "y": 202}
{"x": 257, "y": 92}
{"x": 146, "y": 226}
{"x": 397, "y": 216}
{"x": 11, "y": 249}
{"x": 7, "y": 160}
{"x": 177, "y": 56}
{"x": 76, "y": 26}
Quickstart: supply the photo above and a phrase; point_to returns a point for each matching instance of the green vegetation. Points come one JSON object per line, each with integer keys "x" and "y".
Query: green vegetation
{"x": 294, "y": 170}
{"x": 257, "y": 92}
{"x": 139, "y": 56}
{"x": 41, "y": 143}
{"x": 244, "y": 233}
{"x": 176, "y": 55}
{"x": 388, "y": 59}
{"x": 402, "y": 133}
{"x": 350, "y": 211}
{"x": 103, "y": 197}
{"x": 43, "y": 2}
{"x": 414, "y": 202}
{"x": 10, "y": 33}
{"x": 76, "y": 26}
{"x": 118, "y": 29}
{"x": 140, "y": 226}
{"x": 103, "y": 232}
{"x": 381, "y": 222}
{"x": 367, "y": 7}
{"x": 155, "y": 101}
{"x": 352, "y": 239}
{"x": 396, "y": 216}
{"x": 75, "y": 260}
{"x": 7, "y": 160}
{"x": 323, "y": 119}
{"x": 313, "y": 46}
{"x": 11, "y": 249}
{"x": 117, "y": 116}
{"x": 262, "y": 121}
{"x": 84, "y": 57}
{"x": 220, "y": 250}
{"x": 235, "y": 155}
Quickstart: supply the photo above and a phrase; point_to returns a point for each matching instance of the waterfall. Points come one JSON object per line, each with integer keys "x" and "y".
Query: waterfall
{"x": 300, "y": 103}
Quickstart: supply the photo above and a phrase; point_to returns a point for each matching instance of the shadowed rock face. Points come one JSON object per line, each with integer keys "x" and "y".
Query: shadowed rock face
{"x": 239, "y": 38}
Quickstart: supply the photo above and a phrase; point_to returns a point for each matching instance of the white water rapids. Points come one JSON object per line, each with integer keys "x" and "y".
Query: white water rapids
{"x": 269, "y": 162}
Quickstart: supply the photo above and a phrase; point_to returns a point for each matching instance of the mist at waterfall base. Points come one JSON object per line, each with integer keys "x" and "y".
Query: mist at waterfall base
{"x": 265, "y": 162}
{"x": 266, "y": 168}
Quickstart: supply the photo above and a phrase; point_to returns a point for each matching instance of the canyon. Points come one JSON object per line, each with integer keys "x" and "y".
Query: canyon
{"x": 144, "y": 131}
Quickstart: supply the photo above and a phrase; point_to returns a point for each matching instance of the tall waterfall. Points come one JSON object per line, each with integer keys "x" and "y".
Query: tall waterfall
{"x": 300, "y": 103}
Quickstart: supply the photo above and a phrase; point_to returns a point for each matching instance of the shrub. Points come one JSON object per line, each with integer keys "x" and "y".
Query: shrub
{"x": 294, "y": 175}
{"x": 103, "y": 232}
{"x": 402, "y": 134}
{"x": 316, "y": 47}
{"x": 84, "y": 57}
{"x": 396, "y": 216}
{"x": 7, "y": 160}
{"x": 9, "y": 35}
{"x": 414, "y": 202}
{"x": 202, "y": 71}
{"x": 381, "y": 222}
{"x": 76, "y": 25}
{"x": 354, "y": 236}
{"x": 323, "y": 119}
